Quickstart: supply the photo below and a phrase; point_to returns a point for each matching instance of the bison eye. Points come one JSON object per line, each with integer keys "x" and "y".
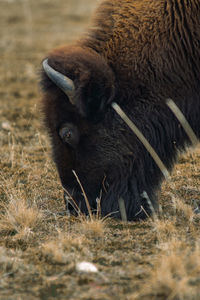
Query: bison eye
{"x": 69, "y": 134}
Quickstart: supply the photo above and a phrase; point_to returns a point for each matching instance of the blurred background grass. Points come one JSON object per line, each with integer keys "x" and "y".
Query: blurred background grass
{"x": 29, "y": 29}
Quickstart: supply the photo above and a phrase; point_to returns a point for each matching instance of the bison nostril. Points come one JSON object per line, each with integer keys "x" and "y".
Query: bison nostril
{"x": 69, "y": 134}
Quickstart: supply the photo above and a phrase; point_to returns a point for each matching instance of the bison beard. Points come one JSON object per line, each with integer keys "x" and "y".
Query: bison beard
{"x": 139, "y": 54}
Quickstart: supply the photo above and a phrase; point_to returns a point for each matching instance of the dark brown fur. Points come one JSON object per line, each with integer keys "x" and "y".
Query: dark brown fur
{"x": 139, "y": 53}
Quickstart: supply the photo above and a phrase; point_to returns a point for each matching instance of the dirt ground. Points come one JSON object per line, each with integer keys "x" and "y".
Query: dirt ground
{"x": 40, "y": 250}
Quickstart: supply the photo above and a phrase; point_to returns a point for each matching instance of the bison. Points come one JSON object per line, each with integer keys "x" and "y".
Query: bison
{"x": 137, "y": 53}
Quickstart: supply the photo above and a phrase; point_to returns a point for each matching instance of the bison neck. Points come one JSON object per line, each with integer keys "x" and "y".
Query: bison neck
{"x": 150, "y": 43}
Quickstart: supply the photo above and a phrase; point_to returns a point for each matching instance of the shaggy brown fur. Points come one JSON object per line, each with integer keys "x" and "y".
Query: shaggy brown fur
{"x": 138, "y": 53}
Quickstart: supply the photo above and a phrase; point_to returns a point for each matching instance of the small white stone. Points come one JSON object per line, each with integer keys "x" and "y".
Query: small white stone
{"x": 86, "y": 267}
{"x": 6, "y": 125}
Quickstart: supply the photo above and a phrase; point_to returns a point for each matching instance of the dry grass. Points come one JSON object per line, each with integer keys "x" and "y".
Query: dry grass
{"x": 65, "y": 248}
{"x": 39, "y": 249}
{"x": 8, "y": 262}
{"x": 91, "y": 227}
{"x": 175, "y": 269}
{"x": 19, "y": 218}
{"x": 176, "y": 273}
{"x": 183, "y": 209}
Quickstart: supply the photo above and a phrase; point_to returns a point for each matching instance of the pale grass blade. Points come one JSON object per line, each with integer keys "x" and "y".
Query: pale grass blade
{"x": 184, "y": 123}
{"x": 141, "y": 137}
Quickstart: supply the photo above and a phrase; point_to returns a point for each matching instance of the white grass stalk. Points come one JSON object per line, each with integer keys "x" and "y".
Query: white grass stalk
{"x": 71, "y": 201}
{"x": 184, "y": 123}
{"x": 146, "y": 196}
{"x": 122, "y": 209}
{"x": 142, "y": 209}
{"x": 98, "y": 201}
{"x": 141, "y": 137}
{"x": 84, "y": 195}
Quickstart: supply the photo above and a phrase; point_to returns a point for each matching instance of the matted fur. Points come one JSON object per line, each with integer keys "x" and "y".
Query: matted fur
{"x": 137, "y": 53}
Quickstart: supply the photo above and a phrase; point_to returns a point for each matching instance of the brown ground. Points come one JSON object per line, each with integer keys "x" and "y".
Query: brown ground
{"x": 39, "y": 250}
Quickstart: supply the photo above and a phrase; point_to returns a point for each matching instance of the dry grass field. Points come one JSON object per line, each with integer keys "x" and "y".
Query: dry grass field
{"x": 39, "y": 249}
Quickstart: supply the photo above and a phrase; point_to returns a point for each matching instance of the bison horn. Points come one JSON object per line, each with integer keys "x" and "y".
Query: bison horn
{"x": 63, "y": 82}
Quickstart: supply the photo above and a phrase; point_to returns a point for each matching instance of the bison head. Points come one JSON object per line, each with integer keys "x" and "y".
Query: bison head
{"x": 79, "y": 85}
{"x": 88, "y": 137}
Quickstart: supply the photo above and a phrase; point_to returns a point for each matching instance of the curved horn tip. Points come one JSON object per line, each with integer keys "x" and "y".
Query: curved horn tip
{"x": 45, "y": 63}
{"x": 62, "y": 81}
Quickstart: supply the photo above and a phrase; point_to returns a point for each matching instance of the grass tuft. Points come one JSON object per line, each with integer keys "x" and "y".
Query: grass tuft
{"x": 93, "y": 228}
{"x": 19, "y": 218}
{"x": 175, "y": 274}
{"x": 183, "y": 209}
{"x": 164, "y": 229}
